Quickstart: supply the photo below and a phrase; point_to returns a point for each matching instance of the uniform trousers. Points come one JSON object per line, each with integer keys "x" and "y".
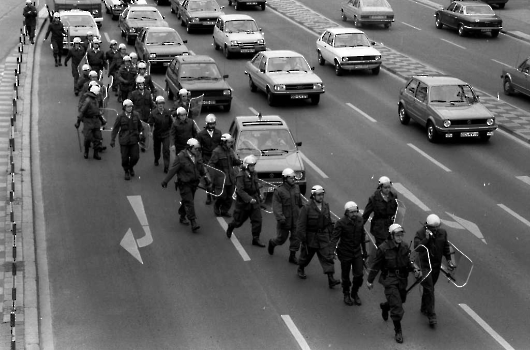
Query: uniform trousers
{"x": 283, "y": 233}
{"x": 130, "y": 154}
{"x": 396, "y": 295}
{"x": 252, "y": 212}
{"x": 323, "y": 254}
{"x": 161, "y": 143}
{"x": 355, "y": 265}
{"x": 187, "y": 197}
{"x": 427, "y": 298}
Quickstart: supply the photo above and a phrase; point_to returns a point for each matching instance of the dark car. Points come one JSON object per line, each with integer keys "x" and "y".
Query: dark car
{"x": 239, "y": 4}
{"x": 517, "y": 78}
{"x": 158, "y": 45}
{"x": 446, "y": 106}
{"x": 500, "y": 3}
{"x": 137, "y": 17}
{"x": 469, "y": 16}
{"x": 199, "y": 14}
{"x": 199, "y": 75}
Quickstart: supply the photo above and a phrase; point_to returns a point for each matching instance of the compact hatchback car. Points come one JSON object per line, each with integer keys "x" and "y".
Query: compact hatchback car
{"x": 137, "y": 17}
{"x": 199, "y": 14}
{"x": 239, "y": 4}
{"x": 77, "y": 23}
{"x": 448, "y": 108}
{"x": 158, "y": 45}
{"x": 238, "y": 34}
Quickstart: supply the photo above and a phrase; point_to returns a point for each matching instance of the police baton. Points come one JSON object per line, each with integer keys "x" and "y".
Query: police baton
{"x": 79, "y": 139}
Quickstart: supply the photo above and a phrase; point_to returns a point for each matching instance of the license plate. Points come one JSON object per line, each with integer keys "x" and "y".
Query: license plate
{"x": 378, "y": 17}
{"x": 251, "y": 3}
{"x": 208, "y": 23}
{"x": 297, "y": 96}
{"x": 208, "y": 102}
{"x": 469, "y": 134}
{"x": 247, "y": 50}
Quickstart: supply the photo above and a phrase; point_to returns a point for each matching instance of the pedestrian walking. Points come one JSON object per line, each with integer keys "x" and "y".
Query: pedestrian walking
{"x": 393, "y": 260}
{"x": 76, "y": 53}
{"x": 189, "y": 168}
{"x": 134, "y": 59}
{"x": 314, "y": 230}
{"x": 57, "y": 31}
{"x": 90, "y": 114}
{"x": 96, "y": 57}
{"x": 142, "y": 99}
{"x": 181, "y": 131}
{"x": 209, "y": 138}
{"x": 89, "y": 39}
{"x": 160, "y": 121}
{"x": 129, "y": 127}
{"x": 126, "y": 78}
{"x": 30, "y": 14}
{"x": 224, "y": 159}
{"x": 248, "y": 201}
{"x": 432, "y": 236}
{"x": 286, "y": 204}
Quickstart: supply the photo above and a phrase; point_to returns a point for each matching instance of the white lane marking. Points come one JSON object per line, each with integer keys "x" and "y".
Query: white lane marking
{"x": 452, "y": 43}
{"x": 253, "y": 110}
{"x": 525, "y": 179}
{"x": 235, "y": 241}
{"x": 486, "y": 327}
{"x": 504, "y": 64}
{"x": 514, "y": 214}
{"x": 410, "y": 25}
{"x": 468, "y": 225}
{"x": 429, "y": 157}
{"x": 107, "y": 37}
{"x": 410, "y": 196}
{"x": 160, "y": 86}
{"x": 295, "y": 332}
{"x": 138, "y": 207}
{"x": 312, "y": 165}
{"x": 361, "y": 112}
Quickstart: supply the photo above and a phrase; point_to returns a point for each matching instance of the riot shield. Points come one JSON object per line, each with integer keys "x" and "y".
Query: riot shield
{"x": 399, "y": 216}
{"x": 266, "y": 192}
{"x": 147, "y": 140}
{"x": 459, "y": 275}
{"x": 195, "y": 106}
{"x": 110, "y": 115}
{"x": 218, "y": 181}
{"x": 415, "y": 258}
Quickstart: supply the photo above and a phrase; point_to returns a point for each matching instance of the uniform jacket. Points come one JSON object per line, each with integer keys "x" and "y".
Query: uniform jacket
{"x": 286, "y": 204}
{"x": 30, "y": 14}
{"x": 181, "y": 132}
{"x": 350, "y": 236}
{"x": 224, "y": 159}
{"x": 314, "y": 226}
{"x": 127, "y": 75}
{"x": 96, "y": 58}
{"x": 384, "y": 212}
{"x": 187, "y": 170}
{"x": 89, "y": 112}
{"x": 84, "y": 90}
{"x": 208, "y": 143}
{"x": 438, "y": 247}
{"x": 129, "y": 129}
{"x": 76, "y": 55}
{"x": 247, "y": 188}
{"x": 57, "y": 31}
{"x": 117, "y": 62}
{"x": 161, "y": 122}
{"x": 143, "y": 103}
{"x": 83, "y": 79}
{"x": 389, "y": 259}
{"x": 109, "y": 56}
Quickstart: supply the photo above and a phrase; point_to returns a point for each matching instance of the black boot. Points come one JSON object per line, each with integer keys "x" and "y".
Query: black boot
{"x": 384, "y": 310}
{"x": 271, "y": 246}
{"x": 59, "y": 59}
{"x": 96, "y": 154}
{"x": 56, "y": 62}
{"x": 355, "y": 296}
{"x": 127, "y": 175}
{"x": 347, "y": 299}
{"x": 229, "y": 230}
{"x": 183, "y": 220}
{"x": 301, "y": 272}
{"x": 257, "y": 242}
{"x": 332, "y": 282}
{"x": 399, "y": 333}
{"x": 85, "y": 155}
{"x": 292, "y": 258}
{"x": 194, "y": 225}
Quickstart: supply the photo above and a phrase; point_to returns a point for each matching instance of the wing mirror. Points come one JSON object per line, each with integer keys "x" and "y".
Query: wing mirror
{"x": 225, "y": 76}
{"x": 312, "y": 68}
{"x": 299, "y": 144}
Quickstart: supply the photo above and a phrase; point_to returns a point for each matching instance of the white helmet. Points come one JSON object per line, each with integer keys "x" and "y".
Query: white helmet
{"x": 122, "y": 46}
{"x": 433, "y": 221}
{"x": 133, "y": 55}
{"x": 127, "y": 102}
{"x": 89, "y": 33}
{"x": 181, "y": 110}
{"x": 113, "y": 42}
{"x": 96, "y": 41}
{"x": 351, "y": 206}
{"x": 317, "y": 189}
{"x": 288, "y": 172}
{"x": 226, "y": 137}
{"x": 160, "y": 99}
{"x": 210, "y": 118}
{"x": 142, "y": 65}
{"x": 384, "y": 180}
{"x": 140, "y": 80}
{"x": 95, "y": 89}
{"x": 85, "y": 67}
{"x": 77, "y": 40}
{"x": 28, "y": 1}
{"x": 56, "y": 15}
{"x": 395, "y": 228}
{"x": 192, "y": 142}
{"x": 183, "y": 92}
{"x": 250, "y": 160}
{"x": 93, "y": 83}
{"x": 93, "y": 74}
{"x": 126, "y": 58}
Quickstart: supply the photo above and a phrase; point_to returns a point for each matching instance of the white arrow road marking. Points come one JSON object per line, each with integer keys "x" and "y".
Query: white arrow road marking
{"x": 410, "y": 196}
{"x": 234, "y": 240}
{"x": 525, "y": 179}
{"x": 312, "y": 165}
{"x": 468, "y": 225}
{"x": 514, "y": 214}
{"x": 295, "y": 332}
{"x": 129, "y": 243}
{"x": 486, "y": 327}
{"x": 138, "y": 207}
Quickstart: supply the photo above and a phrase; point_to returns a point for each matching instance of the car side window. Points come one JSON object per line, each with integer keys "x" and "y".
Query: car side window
{"x": 457, "y": 8}
{"x": 451, "y": 7}
{"x": 325, "y": 37}
{"x": 262, "y": 64}
{"x": 124, "y": 13}
{"x": 256, "y": 60}
{"x": 331, "y": 40}
{"x": 356, "y": 3}
{"x": 421, "y": 93}
{"x": 411, "y": 87}
{"x": 525, "y": 66}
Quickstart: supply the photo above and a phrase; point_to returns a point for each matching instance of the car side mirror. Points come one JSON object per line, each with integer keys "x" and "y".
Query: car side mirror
{"x": 312, "y": 68}
{"x": 185, "y": 41}
{"x": 262, "y": 70}
{"x": 299, "y": 144}
{"x": 163, "y": 17}
{"x": 373, "y": 43}
{"x": 221, "y": 7}
{"x": 246, "y": 73}
{"x": 225, "y": 76}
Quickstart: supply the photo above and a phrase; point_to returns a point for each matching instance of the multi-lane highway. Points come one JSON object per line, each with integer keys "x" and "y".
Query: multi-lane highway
{"x": 203, "y": 291}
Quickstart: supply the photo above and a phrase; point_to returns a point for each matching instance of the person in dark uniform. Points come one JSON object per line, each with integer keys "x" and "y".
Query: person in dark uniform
{"x": 181, "y": 131}
{"x": 209, "y": 138}
{"x": 115, "y": 65}
{"x": 183, "y": 99}
{"x": 160, "y": 121}
{"x": 189, "y": 168}
{"x": 129, "y": 127}
{"x": 432, "y": 236}
{"x": 286, "y": 204}
{"x": 351, "y": 251}
{"x": 314, "y": 230}
{"x": 142, "y": 72}
{"x": 393, "y": 260}
{"x": 76, "y": 53}
{"x": 30, "y": 14}
{"x": 89, "y": 114}
{"x": 248, "y": 201}
{"x": 57, "y": 30}
{"x": 96, "y": 57}
{"x": 126, "y": 78}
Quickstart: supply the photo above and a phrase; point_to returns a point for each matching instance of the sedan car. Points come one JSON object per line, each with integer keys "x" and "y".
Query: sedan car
{"x": 114, "y": 7}
{"x": 500, "y": 3}
{"x": 199, "y": 75}
{"x": 136, "y": 17}
{"x": 239, "y": 4}
{"x": 446, "y": 106}
{"x": 158, "y": 45}
{"x": 77, "y": 23}
{"x": 517, "y": 78}
{"x": 348, "y": 49}
{"x": 283, "y": 73}
{"x": 368, "y": 12}
{"x": 237, "y": 34}
{"x": 469, "y": 16}
{"x": 199, "y": 14}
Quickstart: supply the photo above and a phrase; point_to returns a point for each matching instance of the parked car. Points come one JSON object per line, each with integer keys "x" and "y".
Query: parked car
{"x": 199, "y": 75}
{"x": 199, "y": 14}
{"x": 348, "y": 49}
{"x": 368, "y": 12}
{"x": 517, "y": 78}
{"x": 283, "y": 74}
{"x": 136, "y": 17}
{"x": 500, "y": 3}
{"x": 238, "y": 34}
{"x": 269, "y": 138}
{"x": 469, "y": 16}
{"x": 448, "y": 108}
{"x": 77, "y": 23}
{"x": 158, "y": 45}
{"x": 239, "y": 4}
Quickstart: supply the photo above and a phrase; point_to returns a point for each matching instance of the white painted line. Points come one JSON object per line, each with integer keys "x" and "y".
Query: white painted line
{"x": 234, "y": 240}
{"x": 514, "y": 214}
{"x": 486, "y": 327}
{"x": 312, "y": 165}
{"x": 504, "y": 64}
{"x": 450, "y": 42}
{"x": 410, "y": 25}
{"x": 468, "y": 225}
{"x": 253, "y": 110}
{"x": 429, "y": 157}
{"x": 107, "y": 37}
{"x": 525, "y": 179}
{"x": 295, "y": 332}
{"x": 361, "y": 112}
{"x": 138, "y": 207}
{"x": 410, "y": 196}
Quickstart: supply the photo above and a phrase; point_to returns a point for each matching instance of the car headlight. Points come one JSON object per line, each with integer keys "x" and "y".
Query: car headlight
{"x": 378, "y": 57}
{"x": 95, "y": 12}
{"x": 185, "y": 53}
{"x": 227, "y": 92}
{"x": 318, "y": 86}
{"x": 152, "y": 55}
{"x": 490, "y": 121}
{"x": 194, "y": 19}
{"x": 298, "y": 175}
{"x": 344, "y": 59}
{"x": 234, "y": 43}
{"x": 132, "y": 30}
{"x": 261, "y": 42}
{"x": 280, "y": 87}
{"x": 447, "y": 123}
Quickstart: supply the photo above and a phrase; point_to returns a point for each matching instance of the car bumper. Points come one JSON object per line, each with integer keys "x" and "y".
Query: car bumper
{"x": 376, "y": 21}
{"x": 359, "y": 65}
{"x": 481, "y": 29}
{"x": 216, "y": 100}
{"x": 467, "y": 132}
{"x": 203, "y": 25}
{"x": 246, "y": 49}
{"x": 117, "y": 11}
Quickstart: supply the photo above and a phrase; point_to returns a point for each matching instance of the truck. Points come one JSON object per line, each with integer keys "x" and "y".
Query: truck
{"x": 92, "y": 6}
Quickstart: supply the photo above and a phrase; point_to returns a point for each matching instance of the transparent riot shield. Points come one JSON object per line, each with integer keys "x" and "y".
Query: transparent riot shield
{"x": 146, "y": 137}
{"x": 218, "y": 179}
{"x": 195, "y": 106}
{"x": 110, "y": 115}
{"x": 420, "y": 257}
{"x": 459, "y": 275}
{"x": 266, "y": 193}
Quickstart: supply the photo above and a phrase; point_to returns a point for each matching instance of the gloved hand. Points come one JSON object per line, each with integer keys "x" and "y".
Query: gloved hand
{"x": 77, "y": 125}
{"x": 164, "y": 184}
{"x": 417, "y": 273}
{"x": 450, "y": 265}
{"x": 252, "y": 201}
{"x": 429, "y": 232}
{"x": 207, "y": 182}
{"x": 112, "y": 143}
{"x": 282, "y": 222}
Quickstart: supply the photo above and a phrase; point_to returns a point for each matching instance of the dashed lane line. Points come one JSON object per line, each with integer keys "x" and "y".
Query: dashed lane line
{"x": 312, "y": 165}
{"x": 107, "y": 37}
{"x": 410, "y": 196}
{"x": 295, "y": 332}
{"x": 525, "y": 179}
{"x": 361, "y": 112}
{"x": 486, "y": 327}
{"x": 253, "y": 110}
{"x": 452, "y": 43}
{"x": 501, "y": 63}
{"x": 514, "y": 214}
{"x": 410, "y": 25}
{"x": 235, "y": 241}
{"x": 429, "y": 157}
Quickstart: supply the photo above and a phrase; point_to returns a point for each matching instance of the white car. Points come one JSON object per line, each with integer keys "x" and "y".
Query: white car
{"x": 77, "y": 23}
{"x": 348, "y": 49}
{"x": 237, "y": 34}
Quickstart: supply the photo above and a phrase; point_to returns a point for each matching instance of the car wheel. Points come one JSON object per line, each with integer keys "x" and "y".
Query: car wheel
{"x": 215, "y": 46}
{"x": 128, "y": 40}
{"x": 188, "y": 28}
{"x": 494, "y": 33}
{"x": 356, "y": 22}
{"x": 438, "y": 23}
{"x": 432, "y": 135}
{"x": 170, "y": 95}
{"x": 263, "y": 7}
{"x": 321, "y": 59}
{"x": 271, "y": 99}
{"x": 122, "y": 34}
{"x": 403, "y": 116}
{"x": 375, "y": 71}
{"x": 461, "y": 30}
{"x": 387, "y": 25}
{"x": 227, "y": 107}
{"x": 508, "y": 88}
{"x": 229, "y": 2}
{"x": 343, "y": 16}
{"x": 338, "y": 69}
{"x": 227, "y": 52}
{"x": 315, "y": 99}
{"x": 251, "y": 84}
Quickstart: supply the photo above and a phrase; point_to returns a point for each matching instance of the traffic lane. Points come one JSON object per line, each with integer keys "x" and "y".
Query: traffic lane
{"x": 11, "y": 21}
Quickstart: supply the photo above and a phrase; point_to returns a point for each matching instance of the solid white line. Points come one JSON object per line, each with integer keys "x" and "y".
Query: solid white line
{"x": 514, "y": 214}
{"x": 486, "y": 327}
{"x": 429, "y": 157}
{"x": 253, "y": 110}
{"x": 450, "y": 42}
{"x": 504, "y": 64}
{"x": 407, "y": 194}
{"x": 234, "y": 240}
{"x": 525, "y": 179}
{"x": 361, "y": 112}
{"x": 312, "y": 165}
{"x": 295, "y": 332}
{"x": 410, "y": 25}
{"x": 107, "y": 37}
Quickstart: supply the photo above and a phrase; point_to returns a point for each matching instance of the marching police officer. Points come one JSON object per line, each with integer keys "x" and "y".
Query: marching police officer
{"x": 181, "y": 130}
{"x": 142, "y": 99}
{"x": 183, "y": 99}
{"x": 96, "y": 57}
{"x": 115, "y": 65}
{"x": 57, "y": 30}
{"x": 209, "y": 138}
{"x": 76, "y": 53}
{"x": 30, "y": 14}
{"x": 160, "y": 121}
{"x": 142, "y": 72}
{"x": 126, "y": 77}
{"x": 89, "y": 114}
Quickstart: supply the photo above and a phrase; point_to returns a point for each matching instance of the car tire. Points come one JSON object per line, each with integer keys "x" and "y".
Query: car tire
{"x": 172, "y": 9}
{"x": 251, "y": 85}
{"x": 387, "y": 25}
{"x": 338, "y": 69}
{"x": 271, "y": 99}
{"x": 188, "y": 28}
{"x": 375, "y": 71}
{"x": 438, "y": 22}
{"x": 494, "y": 33}
{"x": 403, "y": 116}
{"x": 227, "y": 52}
{"x": 432, "y": 134}
{"x": 508, "y": 87}
{"x": 227, "y": 107}
{"x": 128, "y": 40}
{"x": 321, "y": 59}
{"x": 461, "y": 30}
{"x": 315, "y": 99}
{"x": 170, "y": 95}
{"x": 356, "y": 22}
{"x": 343, "y": 16}
{"x": 182, "y": 23}
{"x": 215, "y": 46}
{"x": 263, "y": 7}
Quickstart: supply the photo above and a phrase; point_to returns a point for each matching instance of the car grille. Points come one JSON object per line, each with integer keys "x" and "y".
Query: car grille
{"x": 468, "y": 122}
{"x": 488, "y": 24}
{"x": 207, "y": 93}
{"x": 248, "y": 45}
{"x": 294, "y": 87}
{"x": 361, "y": 58}
{"x": 212, "y": 19}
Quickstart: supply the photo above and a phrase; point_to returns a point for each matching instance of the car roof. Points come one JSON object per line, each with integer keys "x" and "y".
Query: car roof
{"x": 160, "y": 29}
{"x": 464, "y": 3}
{"x": 235, "y": 17}
{"x": 433, "y": 80}
{"x": 259, "y": 121}
{"x": 142, "y": 7}
{"x": 341, "y": 30}
{"x": 195, "y": 58}
{"x": 75, "y": 12}
{"x": 281, "y": 53}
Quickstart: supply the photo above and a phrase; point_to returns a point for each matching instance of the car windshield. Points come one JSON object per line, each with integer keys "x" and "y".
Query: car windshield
{"x": 452, "y": 94}
{"x": 287, "y": 64}
{"x": 201, "y": 71}
{"x": 479, "y": 10}
{"x": 145, "y": 15}
{"x": 351, "y": 40}
{"x": 375, "y": 3}
{"x": 266, "y": 140}
{"x": 241, "y": 26}
{"x": 163, "y": 38}
{"x": 203, "y": 6}
{"x": 78, "y": 21}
